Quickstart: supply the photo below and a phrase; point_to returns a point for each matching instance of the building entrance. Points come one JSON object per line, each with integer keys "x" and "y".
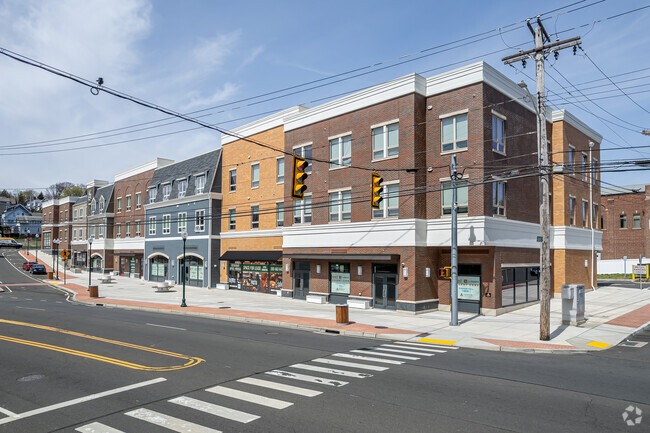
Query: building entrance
{"x": 384, "y": 286}
{"x": 300, "y": 280}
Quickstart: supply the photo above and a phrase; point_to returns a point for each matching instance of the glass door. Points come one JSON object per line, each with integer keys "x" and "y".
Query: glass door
{"x": 385, "y": 291}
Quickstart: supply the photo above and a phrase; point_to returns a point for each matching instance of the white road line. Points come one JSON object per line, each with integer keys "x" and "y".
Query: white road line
{"x": 7, "y": 412}
{"x": 30, "y": 308}
{"x": 280, "y": 387}
{"x": 350, "y": 364}
{"x": 80, "y": 400}
{"x": 426, "y": 349}
{"x": 437, "y": 346}
{"x": 331, "y": 371}
{"x": 165, "y": 326}
{"x": 406, "y": 352}
{"x": 306, "y": 378}
{"x": 250, "y": 397}
{"x": 97, "y": 427}
{"x": 214, "y": 409}
{"x": 372, "y": 352}
{"x": 175, "y": 424}
{"x": 368, "y": 358}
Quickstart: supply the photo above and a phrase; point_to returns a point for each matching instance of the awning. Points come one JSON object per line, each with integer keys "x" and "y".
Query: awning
{"x": 252, "y": 256}
{"x": 371, "y": 257}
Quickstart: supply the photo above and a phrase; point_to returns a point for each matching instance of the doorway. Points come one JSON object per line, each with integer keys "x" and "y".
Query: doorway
{"x": 384, "y": 286}
{"x": 300, "y": 280}
{"x": 469, "y": 288}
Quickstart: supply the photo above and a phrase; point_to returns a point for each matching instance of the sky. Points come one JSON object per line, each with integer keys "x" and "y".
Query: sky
{"x": 217, "y": 59}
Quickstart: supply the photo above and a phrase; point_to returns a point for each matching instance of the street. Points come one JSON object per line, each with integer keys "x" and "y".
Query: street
{"x": 69, "y": 367}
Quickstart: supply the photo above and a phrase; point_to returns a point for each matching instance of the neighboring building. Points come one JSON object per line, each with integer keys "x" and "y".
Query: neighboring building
{"x": 35, "y": 205}
{"x": 18, "y": 220}
{"x": 625, "y": 222}
{"x": 57, "y": 223}
{"x": 184, "y": 196}
{"x": 253, "y": 204}
{"x": 5, "y": 203}
{"x": 100, "y": 217}
{"x": 79, "y": 242}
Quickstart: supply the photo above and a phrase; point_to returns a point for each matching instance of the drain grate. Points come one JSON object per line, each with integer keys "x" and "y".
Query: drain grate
{"x": 223, "y": 308}
{"x": 633, "y": 344}
{"x": 381, "y": 327}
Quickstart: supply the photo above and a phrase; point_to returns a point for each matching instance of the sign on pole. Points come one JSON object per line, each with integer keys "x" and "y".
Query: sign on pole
{"x": 640, "y": 270}
{"x": 65, "y": 254}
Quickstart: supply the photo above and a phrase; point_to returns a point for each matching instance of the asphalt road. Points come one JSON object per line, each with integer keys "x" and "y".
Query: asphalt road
{"x": 66, "y": 367}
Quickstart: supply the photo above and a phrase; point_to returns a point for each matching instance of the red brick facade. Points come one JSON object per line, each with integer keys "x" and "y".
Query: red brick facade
{"x": 633, "y": 239}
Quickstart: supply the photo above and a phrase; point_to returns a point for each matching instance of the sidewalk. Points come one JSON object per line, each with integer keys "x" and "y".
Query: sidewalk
{"x": 612, "y": 313}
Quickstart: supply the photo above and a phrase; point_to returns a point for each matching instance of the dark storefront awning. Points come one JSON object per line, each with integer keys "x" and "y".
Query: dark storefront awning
{"x": 375, "y": 257}
{"x": 252, "y": 256}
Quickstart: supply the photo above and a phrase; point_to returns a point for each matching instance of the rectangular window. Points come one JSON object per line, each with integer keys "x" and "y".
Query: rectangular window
{"x": 137, "y": 228}
{"x": 594, "y": 171}
{"x": 167, "y": 191}
{"x": 255, "y": 176}
{"x": 279, "y": 214}
{"x": 92, "y": 231}
{"x": 623, "y": 221}
{"x": 454, "y": 133}
{"x": 302, "y": 211}
{"x": 65, "y": 235}
{"x": 166, "y": 224}
{"x": 81, "y": 213}
{"x": 67, "y": 215}
{"x": 128, "y": 203}
{"x": 182, "y": 187}
{"x": 462, "y": 194}
{"x": 232, "y": 221}
{"x": 499, "y": 198}
{"x": 118, "y": 231}
{"x": 636, "y": 221}
{"x": 152, "y": 195}
{"x": 340, "y": 278}
{"x": 255, "y": 217}
{"x": 585, "y": 166}
{"x": 341, "y": 206}
{"x": 127, "y": 230}
{"x": 182, "y": 222}
{"x": 280, "y": 170}
{"x": 74, "y": 215}
{"x": 81, "y": 234}
{"x": 341, "y": 151}
{"x": 498, "y": 134}
{"x": 199, "y": 220}
{"x": 385, "y": 141}
{"x": 101, "y": 231}
{"x": 74, "y": 234}
{"x": 572, "y": 152}
{"x": 572, "y": 211}
{"x": 305, "y": 152}
{"x": 232, "y": 179}
{"x": 138, "y": 200}
{"x": 152, "y": 225}
{"x": 585, "y": 213}
{"x": 389, "y": 206}
{"x": 119, "y": 204}
{"x": 594, "y": 216}
{"x": 200, "y": 184}
{"x": 47, "y": 240}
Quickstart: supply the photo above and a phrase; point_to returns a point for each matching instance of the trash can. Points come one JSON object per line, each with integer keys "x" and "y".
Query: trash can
{"x": 342, "y": 314}
{"x": 94, "y": 291}
{"x": 573, "y": 304}
{"x": 50, "y": 275}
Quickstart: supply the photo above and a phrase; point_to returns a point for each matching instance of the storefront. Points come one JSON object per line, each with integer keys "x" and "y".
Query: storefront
{"x": 158, "y": 268}
{"x": 194, "y": 274}
{"x": 254, "y": 271}
{"x": 129, "y": 264}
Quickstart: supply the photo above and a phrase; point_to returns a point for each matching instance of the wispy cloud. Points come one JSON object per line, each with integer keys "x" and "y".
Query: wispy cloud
{"x": 218, "y": 96}
{"x": 251, "y": 57}
{"x": 211, "y": 53}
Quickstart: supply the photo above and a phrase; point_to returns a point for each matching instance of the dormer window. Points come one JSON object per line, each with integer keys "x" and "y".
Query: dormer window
{"x": 152, "y": 195}
{"x": 200, "y": 184}
{"x": 182, "y": 187}
{"x": 93, "y": 207}
{"x": 101, "y": 205}
{"x": 167, "y": 191}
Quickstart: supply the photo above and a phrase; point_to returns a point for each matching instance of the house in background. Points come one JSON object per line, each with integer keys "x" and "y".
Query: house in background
{"x": 18, "y": 220}
{"x": 100, "y": 224}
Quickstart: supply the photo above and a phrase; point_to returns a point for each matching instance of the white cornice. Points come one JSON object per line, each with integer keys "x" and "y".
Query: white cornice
{"x": 264, "y": 124}
{"x": 564, "y": 115}
{"x": 150, "y": 165}
{"x": 183, "y": 200}
{"x": 252, "y": 234}
{"x": 96, "y": 183}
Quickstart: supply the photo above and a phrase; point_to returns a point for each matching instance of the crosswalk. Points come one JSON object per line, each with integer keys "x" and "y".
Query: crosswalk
{"x": 324, "y": 373}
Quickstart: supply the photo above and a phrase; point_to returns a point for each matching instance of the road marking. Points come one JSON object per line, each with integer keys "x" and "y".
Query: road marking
{"x": 175, "y": 424}
{"x": 80, "y": 400}
{"x": 214, "y": 409}
{"x": 426, "y": 349}
{"x": 407, "y": 352}
{"x": 7, "y": 412}
{"x": 598, "y": 344}
{"x": 165, "y": 326}
{"x": 350, "y": 364}
{"x": 368, "y": 358}
{"x": 280, "y": 387}
{"x": 191, "y": 360}
{"x": 390, "y": 355}
{"x": 331, "y": 371}
{"x": 426, "y": 345}
{"x": 436, "y": 341}
{"x": 306, "y": 378}
{"x": 97, "y": 427}
{"x": 250, "y": 397}
{"x": 31, "y": 308}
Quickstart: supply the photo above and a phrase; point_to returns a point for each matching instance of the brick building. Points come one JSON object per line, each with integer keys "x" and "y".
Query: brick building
{"x": 625, "y": 222}
{"x": 57, "y": 223}
{"x": 80, "y": 232}
{"x": 100, "y": 217}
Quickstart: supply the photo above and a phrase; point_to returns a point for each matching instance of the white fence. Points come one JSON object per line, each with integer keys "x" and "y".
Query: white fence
{"x": 618, "y": 266}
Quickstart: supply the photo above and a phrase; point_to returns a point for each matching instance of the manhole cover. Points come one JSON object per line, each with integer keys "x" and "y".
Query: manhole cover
{"x": 31, "y": 378}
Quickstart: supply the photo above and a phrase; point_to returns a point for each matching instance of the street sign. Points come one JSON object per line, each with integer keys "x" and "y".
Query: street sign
{"x": 65, "y": 254}
{"x": 64, "y": 260}
{"x": 540, "y": 239}
{"x": 640, "y": 269}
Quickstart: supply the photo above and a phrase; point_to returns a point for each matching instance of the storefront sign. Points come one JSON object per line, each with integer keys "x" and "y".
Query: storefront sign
{"x": 340, "y": 282}
{"x": 235, "y": 266}
{"x": 469, "y": 288}
{"x": 255, "y": 268}
{"x": 276, "y": 269}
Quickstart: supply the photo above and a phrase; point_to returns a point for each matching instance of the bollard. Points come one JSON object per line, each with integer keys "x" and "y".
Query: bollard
{"x": 94, "y": 291}
{"x": 342, "y": 315}
{"x": 50, "y": 275}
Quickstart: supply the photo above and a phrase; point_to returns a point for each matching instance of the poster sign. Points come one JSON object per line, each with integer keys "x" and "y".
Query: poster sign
{"x": 255, "y": 268}
{"x": 276, "y": 269}
{"x": 640, "y": 269}
{"x": 341, "y": 282}
{"x": 469, "y": 288}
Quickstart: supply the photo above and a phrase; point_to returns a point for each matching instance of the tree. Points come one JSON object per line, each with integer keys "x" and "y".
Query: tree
{"x": 25, "y": 196}
{"x": 5, "y": 193}
{"x": 75, "y": 191}
{"x": 41, "y": 196}
{"x": 56, "y": 190}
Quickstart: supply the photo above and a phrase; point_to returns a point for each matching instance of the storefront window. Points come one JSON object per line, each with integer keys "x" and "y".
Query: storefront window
{"x": 340, "y": 278}
{"x": 255, "y": 277}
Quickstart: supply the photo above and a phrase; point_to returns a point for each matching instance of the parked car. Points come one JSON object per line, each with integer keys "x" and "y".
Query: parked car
{"x": 28, "y": 265}
{"x": 37, "y": 269}
{"x": 9, "y": 243}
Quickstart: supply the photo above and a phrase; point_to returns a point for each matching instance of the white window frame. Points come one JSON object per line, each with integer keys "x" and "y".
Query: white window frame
{"x": 152, "y": 225}
{"x": 118, "y": 204}
{"x": 168, "y": 188}
{"x": 459, "y": 184}
{"x": 299, "y": 210}
{"x": 255, "y": 183}
{"x": 138, "y": 229}
{"x": 500, "y": 208}
{"x": 199, "y": 227}
{"x": 118, "y": 230}
{"x": 455, "y": 140}
{"x": 81, "y": 213}
{"x": 199, "y": 186}
{"x": 166, "y": 224}
{"x": 81, "y": 234}
{"x": 74, "y": 234}
{"x": 585, "y": 213}
{"x": 386, "y": 148}
{"x": 127, "y": 229}
{"x": 101, "y": 231}
{"x": 138, "y": 200}
{"x": 182, "y": 221}
{"x": 253, "y": 213}
{"x": 232, "y": 186}
{"x": 384, "y": 211}
{"x": 151, "y": 194}
{"x": 102, "y": 202}
{"x": 337, "y": 202}
{"x": 585, "y": 166}
{"x": 299, "y": 150}
{"x": 503, "y": 120}
{"x": 279, "y": 209}
{"x": 279, "y": 170}
{"x": 340, "y": 160}
{"x": 183, "y": 192}
{"x": 74, "y": 215}
{"x": 232, "y": 219}
{"x": 128, "y": 203}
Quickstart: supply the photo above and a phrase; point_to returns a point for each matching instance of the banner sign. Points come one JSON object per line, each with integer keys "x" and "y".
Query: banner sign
{"x": 340, "y": 282}
{"x": 469, "y": 288}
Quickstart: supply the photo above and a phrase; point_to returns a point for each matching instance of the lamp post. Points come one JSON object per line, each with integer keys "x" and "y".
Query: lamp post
{"x": 39, "y": 244}
{"x": 184, "y": 235}
{"x": 56, "y": 255}
{"x": 18, "y": 228}
{"x": 29, "y": 238}
{"x": 90, "y": 266}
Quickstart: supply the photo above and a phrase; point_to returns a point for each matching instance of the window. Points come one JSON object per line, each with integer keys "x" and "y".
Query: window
{"x": 280, "y": 169}
{"x": 302, "y": 211}
{"x": 636, "y": 221}
{"x": 279, "y": 214}
{"x": 137, "y": 228}
{"x": 128, "y": 203}
{"x": 47, "y": 240}
{"x": 81, "y": 213}
{"x": 585, "y": 166}
{"x": 61, "y": 216}
{"x": 138, "y": 200}
{"x": 182, "y": 187}
{"x": 232, "y": 223}
{"x": 119, "y": 204}
{"x": 200, "y": 184}
{"x": 602, "y": 222}
{"x": 304, "y": 152}
{"x": 81, "y": 234}
{"x": 152, "y": 195}
{"x": 255, "y": 176}
{"x": 594, "y": 216}
{"x": 232, "y": 179}
{"x": 74, "y": 234}
{"x": 152, "y": 225}
{"x": 389, "y": 206}
{"x": 92, "y": 231}
{"x": 623, "y": 221}
{"x": 341, "y": 206}
{"x": 594, "y": 171}
{"x": 498, "y": 133}
{"x": 255, "y": 217}
{"x": 585, "y": 213}
{"x": 66, "y": 215}
{"x": 572, "y": 211}
{"x": 182, "y": 222}
{"x": 499, "y": 198}
{"x": 454, "y": 133}
{"x": 101, "y": 231}
{"x": 341, "y": 151}
{"x": 118, "y": 231}
{"x": 127, "y": 230}
{"x": 385, "y": 141}
{"x": 167, "y": 190}
{"x": 340, "y": 278}
{"x": 65, "y": 235}
{"x": 199, "y": 220}
{"x": 74, "y": 215}
{"x": 572, "y": 152}
{"x": 93, "y": 207}
{"x": 462, "y": 192}
{"x": 166, "y": 224}
{"x": 101, "y": 205}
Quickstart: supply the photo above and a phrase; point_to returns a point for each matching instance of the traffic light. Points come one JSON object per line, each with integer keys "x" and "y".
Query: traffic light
{"x": 298, "y": 186}
{"x": 376, "y": 190}
{"x": 445, "y": 272}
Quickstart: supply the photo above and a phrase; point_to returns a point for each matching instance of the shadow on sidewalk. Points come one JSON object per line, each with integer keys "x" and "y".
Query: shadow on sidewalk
{"x": 460, "y": 322}
{"x": 560, "y": 329}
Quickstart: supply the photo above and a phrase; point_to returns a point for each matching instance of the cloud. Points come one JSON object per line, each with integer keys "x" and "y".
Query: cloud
{"x": 211, "y": 53}
{"x": 252, "y": 56}
{"x": 220, "y": 95}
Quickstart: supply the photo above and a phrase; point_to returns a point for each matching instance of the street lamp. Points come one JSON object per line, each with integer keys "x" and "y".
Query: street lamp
{"x": 29, "y": 238}
{"x": 18, "y": 228}
{"x": 39, "y": 245}
{"x": 184, "y": 236}
{"x": 90, "y": 266}
{"x": 56, "y": 242}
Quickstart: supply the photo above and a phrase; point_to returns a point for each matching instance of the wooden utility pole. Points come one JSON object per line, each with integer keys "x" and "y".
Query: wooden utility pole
{"x": 538, "y": 54}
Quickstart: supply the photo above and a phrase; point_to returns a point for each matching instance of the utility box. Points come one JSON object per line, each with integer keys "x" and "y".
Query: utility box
{"x": 573, "y": 304}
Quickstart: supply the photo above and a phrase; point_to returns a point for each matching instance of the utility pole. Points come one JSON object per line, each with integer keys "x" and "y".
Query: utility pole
{"x": 539, "y": 53}
{"x": 454, "y": 243}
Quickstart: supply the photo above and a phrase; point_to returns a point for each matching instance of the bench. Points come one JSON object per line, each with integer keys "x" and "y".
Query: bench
{"x": 316, "y": 299}
{"x": 106, "y": 279}
{"x": 163, "y": 286}
{"x": 363, "y": 304}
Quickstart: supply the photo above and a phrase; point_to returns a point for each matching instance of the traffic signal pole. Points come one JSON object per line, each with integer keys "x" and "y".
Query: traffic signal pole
{"x": 454, "y": 243}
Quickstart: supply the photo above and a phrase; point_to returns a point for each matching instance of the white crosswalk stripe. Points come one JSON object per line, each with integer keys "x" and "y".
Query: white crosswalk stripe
{"x": 350, "y": 364}
{"x": 407, "y": 352}
{"x": 280, "y": 387}
{"x": 332, "y": 371}
{"x": 307, "y": 378}
{"x": 215, "y": 409}
{"x": 97, "y": 427}
{"x": 437, "y": 346}
{"x": 250, "y": 397}
{"x": 426, "y": 349}
{"x": 368, "y": 358}
{"x": 391, "y": 355}
{"x": 175, "y": 424}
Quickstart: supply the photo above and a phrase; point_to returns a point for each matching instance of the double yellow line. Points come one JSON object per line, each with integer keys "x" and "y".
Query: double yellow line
{"x": 191, "y": 360}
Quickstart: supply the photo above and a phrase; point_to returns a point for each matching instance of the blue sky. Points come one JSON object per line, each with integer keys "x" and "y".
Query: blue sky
{"x": 193, "y": 55}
